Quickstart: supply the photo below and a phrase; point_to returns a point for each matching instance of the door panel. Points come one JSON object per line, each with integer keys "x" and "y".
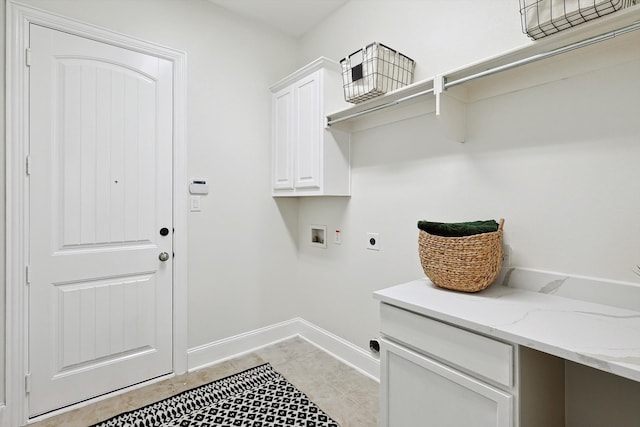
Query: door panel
{"x": 283, "y": 119}
{"x": 307, "y": 141}
{"x": 100, "y": 189}
{"x": 101, "y": 176}
{"x": 102, "y": 320}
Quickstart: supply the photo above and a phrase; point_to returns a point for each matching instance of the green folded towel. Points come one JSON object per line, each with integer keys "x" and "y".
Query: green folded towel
{"x": 458, "y": 229}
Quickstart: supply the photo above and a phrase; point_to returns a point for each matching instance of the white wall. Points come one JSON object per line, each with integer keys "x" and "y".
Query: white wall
{"x": 241, "y": 240}
{"x": 2, "y": 206}
{"x": 438, "y": 34}
{"x": 559, "y": 162}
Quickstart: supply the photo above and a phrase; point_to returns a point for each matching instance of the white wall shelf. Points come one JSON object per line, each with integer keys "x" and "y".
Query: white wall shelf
{"x": 405, "y": 102}
{"x": 446, "y": 95}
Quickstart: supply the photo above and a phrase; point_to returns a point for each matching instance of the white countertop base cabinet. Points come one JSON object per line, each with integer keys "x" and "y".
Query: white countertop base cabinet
{"x": 508, "y": 357}
{"x": 433, "y": 374}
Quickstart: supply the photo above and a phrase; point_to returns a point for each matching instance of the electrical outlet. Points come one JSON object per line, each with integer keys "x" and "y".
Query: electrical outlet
{"x": 374, "y": 346}
{"x": 373, "y": 241}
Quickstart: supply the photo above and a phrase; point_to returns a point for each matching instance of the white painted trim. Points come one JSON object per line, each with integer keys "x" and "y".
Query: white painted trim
{"x": 350, "y": 354}
{"x": 341, "y": 349}
{"x": 316, "y": 65}
{"x": 16, "y": 111}
{"x": 180, "y": 204}
{"x": 18, "y": 18}
{"x": 227, "y": 348}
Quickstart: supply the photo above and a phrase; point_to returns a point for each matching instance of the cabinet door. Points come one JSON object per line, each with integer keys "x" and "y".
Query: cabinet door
{"x": 307, "y": 132}
{"x": 419, "y": 392}
{"x": 283, "y": 133}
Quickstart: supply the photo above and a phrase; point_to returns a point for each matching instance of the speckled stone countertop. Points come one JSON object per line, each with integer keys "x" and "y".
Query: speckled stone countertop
{"x": 602, "y": 336}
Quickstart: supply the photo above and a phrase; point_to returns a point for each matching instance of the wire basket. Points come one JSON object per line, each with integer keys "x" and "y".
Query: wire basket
{"x": 373, "y": 71}
{"x": 541, "y": 18}
{"x": 467, "y": 264}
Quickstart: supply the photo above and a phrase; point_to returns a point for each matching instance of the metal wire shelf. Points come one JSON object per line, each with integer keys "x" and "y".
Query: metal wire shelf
{"x": 613, "y": 27}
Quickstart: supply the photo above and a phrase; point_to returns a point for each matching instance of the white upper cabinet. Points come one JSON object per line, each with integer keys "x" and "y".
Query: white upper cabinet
{"x": 308, "y": 158}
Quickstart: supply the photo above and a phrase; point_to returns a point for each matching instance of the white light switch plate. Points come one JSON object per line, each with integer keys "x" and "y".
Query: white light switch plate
{"x": 195, "y": 203}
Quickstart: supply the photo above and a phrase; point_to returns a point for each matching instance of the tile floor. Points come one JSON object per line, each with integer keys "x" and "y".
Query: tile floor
{"x": 350, "y": 398}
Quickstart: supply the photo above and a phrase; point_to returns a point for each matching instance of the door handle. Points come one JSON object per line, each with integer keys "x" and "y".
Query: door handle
{"x": 163, "y": 256}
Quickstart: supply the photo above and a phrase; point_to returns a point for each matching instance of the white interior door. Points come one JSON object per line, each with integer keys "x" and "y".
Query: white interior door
{"x": 100, "y": 191}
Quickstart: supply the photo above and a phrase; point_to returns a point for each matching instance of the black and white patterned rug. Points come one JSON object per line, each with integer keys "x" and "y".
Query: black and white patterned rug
{"x": 257, "y": 397}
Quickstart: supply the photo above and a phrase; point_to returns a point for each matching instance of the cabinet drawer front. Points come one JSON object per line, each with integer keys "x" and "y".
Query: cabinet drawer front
{"x": 474, "y": 353}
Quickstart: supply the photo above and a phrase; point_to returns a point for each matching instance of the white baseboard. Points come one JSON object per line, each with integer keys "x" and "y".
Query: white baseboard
{"x": 219, "y": 351}
{"x": 342, "y": 349}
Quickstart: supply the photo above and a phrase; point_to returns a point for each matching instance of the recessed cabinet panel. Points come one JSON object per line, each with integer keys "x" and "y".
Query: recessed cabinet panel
{"x": 283, "y": 140}
{"x": 418, "y": 391}
{"x": 308, "y": 132}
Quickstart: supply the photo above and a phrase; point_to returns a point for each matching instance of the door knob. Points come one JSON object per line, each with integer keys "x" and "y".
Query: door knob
{"x": 163, "y": 256}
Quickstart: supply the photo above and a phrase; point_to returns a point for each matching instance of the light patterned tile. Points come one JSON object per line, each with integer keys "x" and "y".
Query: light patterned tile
{"x": 285, "y": 351}
{"x": 113, "y": 406}
{"x": 81, "y": 417}
{"x": 203, "y": 376}
{"x": 247, "y": 361}
{"x": 150, "y": 394}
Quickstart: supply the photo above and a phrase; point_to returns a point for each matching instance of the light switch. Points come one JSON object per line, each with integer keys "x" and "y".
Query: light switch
{"x": 195, "y": 203}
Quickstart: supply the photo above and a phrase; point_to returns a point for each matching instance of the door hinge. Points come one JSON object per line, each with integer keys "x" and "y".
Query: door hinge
{"x": 27, "y": 57}
{"x": 28, "y": 274}
{"x": 27, "y": 383}
{"x": 28, "y": 165}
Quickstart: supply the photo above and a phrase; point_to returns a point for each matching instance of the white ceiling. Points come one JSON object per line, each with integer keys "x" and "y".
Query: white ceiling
{"x": 292, "y": 17}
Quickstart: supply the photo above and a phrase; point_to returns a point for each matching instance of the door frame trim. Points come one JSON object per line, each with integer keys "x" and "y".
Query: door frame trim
{"x": 18, "y": 19}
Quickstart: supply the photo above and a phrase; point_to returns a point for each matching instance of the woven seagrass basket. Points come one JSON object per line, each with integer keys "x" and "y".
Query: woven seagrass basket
{"x": 467, "y": 264}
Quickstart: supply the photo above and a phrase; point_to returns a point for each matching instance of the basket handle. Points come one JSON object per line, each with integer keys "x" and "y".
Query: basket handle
{"x": 501, "y": 224}
{"x": 357, "y": 70}
{"x": 363, "y": 51}
{"x": 524, "y": 9}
